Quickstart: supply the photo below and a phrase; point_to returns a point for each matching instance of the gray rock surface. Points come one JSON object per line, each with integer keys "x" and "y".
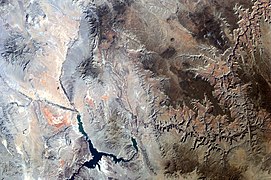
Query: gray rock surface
{"x": 135, "y": 89}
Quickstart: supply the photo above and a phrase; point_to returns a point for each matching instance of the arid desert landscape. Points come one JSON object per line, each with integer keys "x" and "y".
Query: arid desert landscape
{"x": 135, "y": 89}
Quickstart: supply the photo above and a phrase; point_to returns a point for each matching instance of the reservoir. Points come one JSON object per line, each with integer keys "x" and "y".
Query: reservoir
{"x": 98, "y": 155}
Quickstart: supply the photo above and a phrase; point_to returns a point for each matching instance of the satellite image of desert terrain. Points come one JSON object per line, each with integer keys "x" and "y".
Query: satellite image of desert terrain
{"x": 135, "y": 89}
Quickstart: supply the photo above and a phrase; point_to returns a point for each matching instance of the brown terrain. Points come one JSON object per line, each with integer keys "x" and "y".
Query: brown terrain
{"x": 135, "y": 89}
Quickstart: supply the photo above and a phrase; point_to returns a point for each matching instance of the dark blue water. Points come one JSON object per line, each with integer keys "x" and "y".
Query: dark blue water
{"x": 134, "y": 144}
{"x": 80, "y": 127}
{"x": 97, "y": 156}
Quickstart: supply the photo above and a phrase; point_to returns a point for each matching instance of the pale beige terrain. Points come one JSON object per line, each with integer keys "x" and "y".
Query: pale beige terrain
{"x": 135, "y": 89}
